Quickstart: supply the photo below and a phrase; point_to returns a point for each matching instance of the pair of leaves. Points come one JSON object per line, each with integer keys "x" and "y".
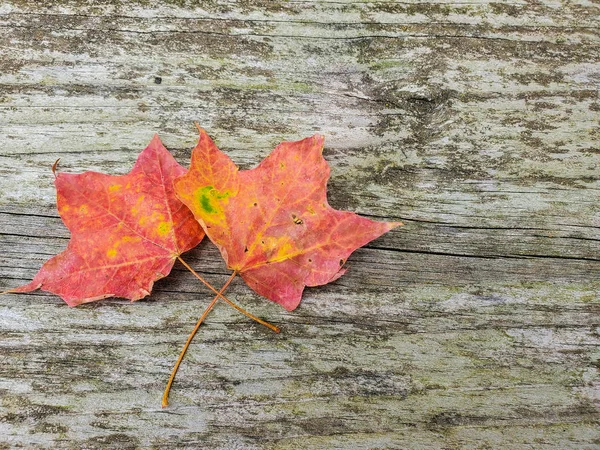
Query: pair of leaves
{"x": 272, "y": 224}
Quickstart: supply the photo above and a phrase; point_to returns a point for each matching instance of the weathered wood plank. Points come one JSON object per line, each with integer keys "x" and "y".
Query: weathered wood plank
{"x": 473, "y": 326}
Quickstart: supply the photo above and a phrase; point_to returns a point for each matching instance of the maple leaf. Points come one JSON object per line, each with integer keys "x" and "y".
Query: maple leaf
{"x": 126, "y": 231}
{"x": 273, "y": 224}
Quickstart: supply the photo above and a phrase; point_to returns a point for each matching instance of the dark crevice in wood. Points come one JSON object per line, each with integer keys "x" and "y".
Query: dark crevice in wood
{"x": 478, "y": 227}
{"x": 31, "y": 213}
{"x": 489, "y": 256}
{"x": 404, "y": 36}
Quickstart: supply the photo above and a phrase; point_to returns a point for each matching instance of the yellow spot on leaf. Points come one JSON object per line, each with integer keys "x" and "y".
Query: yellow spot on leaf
{"x": 127, "y": 240}
{"x": 278, "y": 249}
{"x": 114, "y": 187}
{"x": 285, "y": 249}
{"x": 83, "y": 209}
{"x": 163, "y": 228}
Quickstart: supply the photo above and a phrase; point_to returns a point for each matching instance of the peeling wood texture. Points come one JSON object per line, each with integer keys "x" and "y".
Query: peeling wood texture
{"x": 476, "y": 325}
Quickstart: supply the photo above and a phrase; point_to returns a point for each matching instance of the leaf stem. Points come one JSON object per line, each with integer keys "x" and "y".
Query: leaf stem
{"x": 54, "y": 166}
{"x": 229, "y": 302}
{"x": 165, "y": 398}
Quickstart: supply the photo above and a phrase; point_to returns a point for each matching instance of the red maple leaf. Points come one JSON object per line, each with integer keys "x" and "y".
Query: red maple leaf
{"x": 126, "y": 231}
{"x": 273, "y": 224}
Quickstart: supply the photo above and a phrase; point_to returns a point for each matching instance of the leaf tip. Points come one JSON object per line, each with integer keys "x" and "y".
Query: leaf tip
{"x": 71, "y": 302}
{"x": 155, "y": 141}
{"x": 319, "y": 140}
{"x": 31, "y": 286}
{"x": 200, "y": 129}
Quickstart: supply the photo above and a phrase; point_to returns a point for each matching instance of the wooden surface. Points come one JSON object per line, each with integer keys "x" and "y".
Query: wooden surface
{"x": 476, "y": 325}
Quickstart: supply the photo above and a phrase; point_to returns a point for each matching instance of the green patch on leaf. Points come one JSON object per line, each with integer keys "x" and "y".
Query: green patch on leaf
{"x": 208, "y": 198}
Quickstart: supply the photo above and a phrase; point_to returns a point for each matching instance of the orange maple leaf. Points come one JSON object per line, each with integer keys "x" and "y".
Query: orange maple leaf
{"x": 273, "y": 224}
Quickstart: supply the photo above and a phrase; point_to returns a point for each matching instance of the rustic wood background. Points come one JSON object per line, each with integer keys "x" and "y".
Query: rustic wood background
{"x": 476, "y": 325}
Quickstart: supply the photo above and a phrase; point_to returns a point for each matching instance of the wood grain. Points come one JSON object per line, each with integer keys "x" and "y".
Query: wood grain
{"x": 476, "y": 325}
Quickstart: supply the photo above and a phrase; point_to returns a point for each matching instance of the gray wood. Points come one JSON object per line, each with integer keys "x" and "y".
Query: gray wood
{"x": 476, "y": 325}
